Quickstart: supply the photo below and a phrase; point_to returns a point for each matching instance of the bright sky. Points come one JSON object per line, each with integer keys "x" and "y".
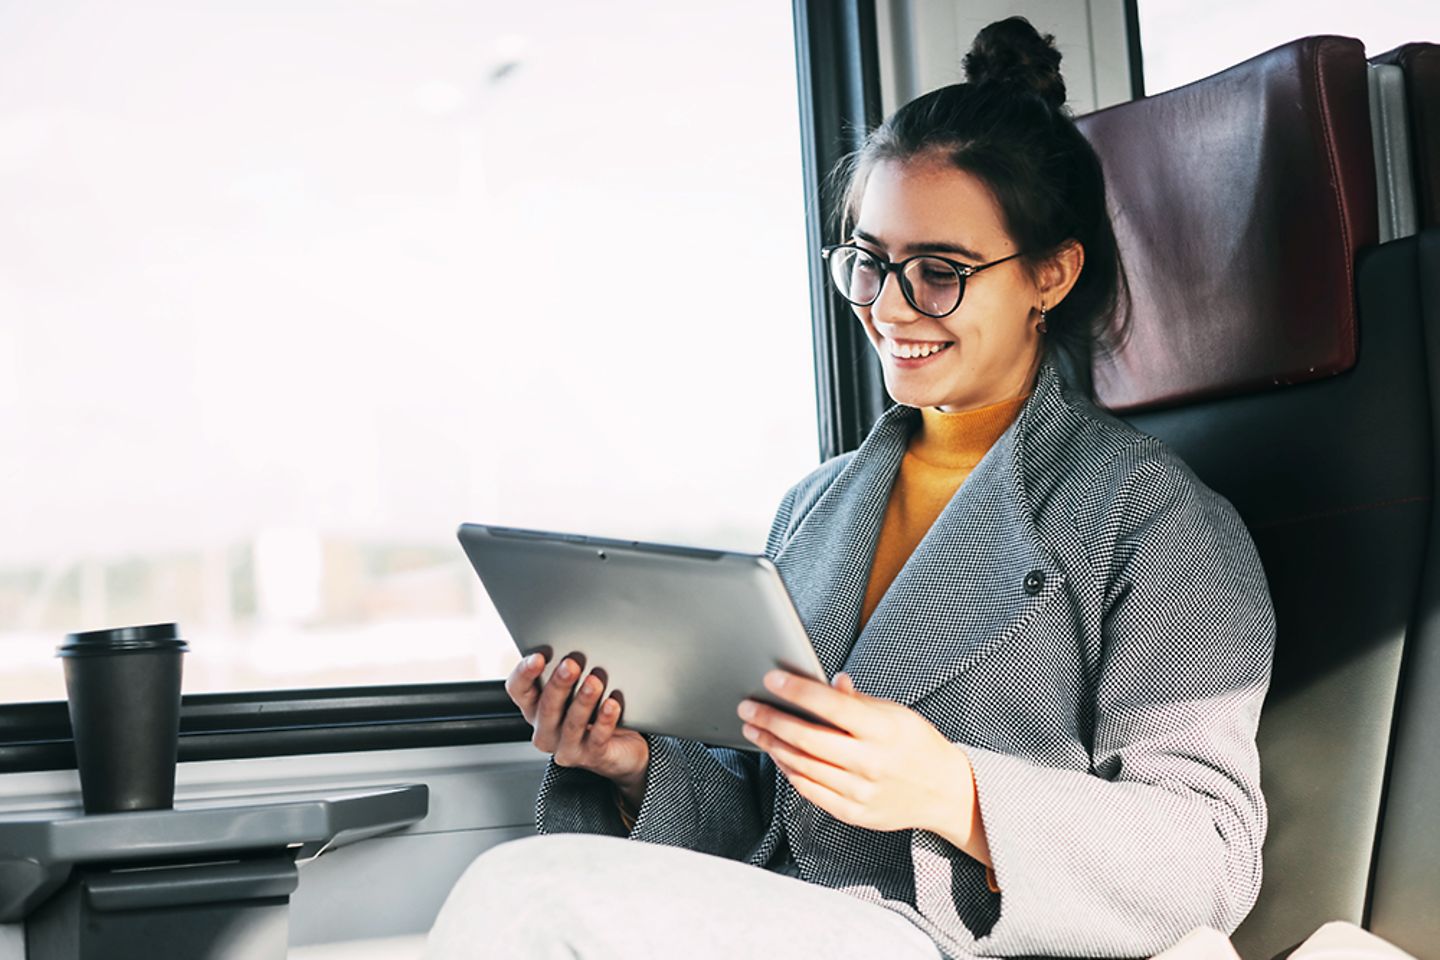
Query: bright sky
{"x": 1185, "y": 40}
{"x": 313, "y": 264}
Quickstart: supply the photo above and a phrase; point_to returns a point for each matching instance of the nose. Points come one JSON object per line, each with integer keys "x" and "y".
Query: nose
{"x": 891, "y": 307}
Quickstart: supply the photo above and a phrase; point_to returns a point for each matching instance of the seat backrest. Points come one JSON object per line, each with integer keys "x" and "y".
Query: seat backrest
{"x": 1287, "y": 367}
{"x": 1405, "y": 892}
{"x": 1420, "y": 67}
{"x": 1405, "y": 889}
{"x": 1222, "y": 191}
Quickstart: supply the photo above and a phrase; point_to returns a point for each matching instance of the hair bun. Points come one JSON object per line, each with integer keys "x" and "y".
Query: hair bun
{"x": 1013, "y": 53}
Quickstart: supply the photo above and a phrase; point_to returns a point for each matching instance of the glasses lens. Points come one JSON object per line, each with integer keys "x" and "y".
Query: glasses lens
{"x": 857, "y": 275}
{"x": 933, "y": 285}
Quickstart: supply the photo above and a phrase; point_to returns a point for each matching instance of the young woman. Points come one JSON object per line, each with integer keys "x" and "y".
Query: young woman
{"x": 1049, "y": 641}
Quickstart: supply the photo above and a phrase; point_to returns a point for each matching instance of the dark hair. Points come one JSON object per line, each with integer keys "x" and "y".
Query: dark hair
{"x": 1008, "y": 126}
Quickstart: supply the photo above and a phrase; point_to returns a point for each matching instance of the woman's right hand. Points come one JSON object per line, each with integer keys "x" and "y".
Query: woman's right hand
{"x": 566, "y": 731}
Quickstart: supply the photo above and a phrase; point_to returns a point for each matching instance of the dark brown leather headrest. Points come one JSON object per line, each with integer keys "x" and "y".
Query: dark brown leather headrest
{"x": 1421, "y": 63}
{"x": 1239, "y": 202}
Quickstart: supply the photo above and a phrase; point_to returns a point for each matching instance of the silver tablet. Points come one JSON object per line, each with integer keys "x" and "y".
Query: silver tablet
{"x": 682, "y": 635}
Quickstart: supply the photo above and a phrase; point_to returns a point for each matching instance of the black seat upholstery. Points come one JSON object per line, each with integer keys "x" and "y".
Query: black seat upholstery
{"x": 1405, "y": 893}
{"x": 1406, "y": 889}
{"x": 1281, "y": 353}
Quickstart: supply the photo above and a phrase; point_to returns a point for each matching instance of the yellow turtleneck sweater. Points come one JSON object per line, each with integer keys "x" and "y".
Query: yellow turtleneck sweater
{"x": 941, "y": 455}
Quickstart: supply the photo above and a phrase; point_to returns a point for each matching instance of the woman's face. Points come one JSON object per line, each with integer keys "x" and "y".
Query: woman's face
{"x": 992, "y": 347}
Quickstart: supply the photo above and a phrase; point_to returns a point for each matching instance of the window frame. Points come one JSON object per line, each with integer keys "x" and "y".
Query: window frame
{"x": 837, "y": 63}
{"x": 837, "y": 55}
{"x": 1133, "y": 49}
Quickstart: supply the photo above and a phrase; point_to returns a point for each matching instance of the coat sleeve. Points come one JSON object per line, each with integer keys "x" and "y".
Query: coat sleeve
{"x": 1163, "y": 833}
{"x": 708, "y": 799}
{"x": 702, "y": 798}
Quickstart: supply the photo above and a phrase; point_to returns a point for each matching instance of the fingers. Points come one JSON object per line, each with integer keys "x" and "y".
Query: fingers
{"x": 521, "y": 687}
{"x": 604, "y": 726}
{"x": 845, "y": 709}
{"x": 843, "y": 683}
{"x": 571, "y": 748}
{"x": 550, "y": 710}
{"x": 841, "y": 782}
{"x": 832, "y": 746}
{"x": 839, "y": 807}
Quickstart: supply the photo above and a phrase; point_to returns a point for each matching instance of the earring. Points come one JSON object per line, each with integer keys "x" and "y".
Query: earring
{"x": 1041, "y": 326}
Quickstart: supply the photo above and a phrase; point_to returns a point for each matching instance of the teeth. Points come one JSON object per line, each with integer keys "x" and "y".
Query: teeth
{"x": 909, "y": 351}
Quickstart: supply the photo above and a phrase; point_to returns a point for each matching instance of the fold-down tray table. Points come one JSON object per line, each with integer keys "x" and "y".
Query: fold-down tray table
{"x": 210, "y": 879}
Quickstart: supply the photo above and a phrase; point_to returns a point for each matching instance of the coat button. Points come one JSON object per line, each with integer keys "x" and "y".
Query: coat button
{"x": 1034, "y": 582}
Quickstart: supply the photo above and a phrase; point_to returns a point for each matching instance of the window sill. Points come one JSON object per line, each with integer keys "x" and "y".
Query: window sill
{"x": 227, "y": 726}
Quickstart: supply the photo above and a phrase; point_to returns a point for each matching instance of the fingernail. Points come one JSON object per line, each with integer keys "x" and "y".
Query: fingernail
{"x": 747, "y": 710}
{"x": 750, "y": 732}
{"x": 775, "y": 679}
{"x": 611, "y": 706}
{"x": 532, "y": 661}
{"x": 592, "y": 685}
{"x": 567, "y": 669}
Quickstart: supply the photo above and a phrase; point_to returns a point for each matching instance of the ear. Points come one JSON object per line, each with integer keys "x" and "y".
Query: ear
{"x": 1056, "y": 277}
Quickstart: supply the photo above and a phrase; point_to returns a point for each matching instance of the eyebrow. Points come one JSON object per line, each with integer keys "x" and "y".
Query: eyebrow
{"x": 929, "y": 247}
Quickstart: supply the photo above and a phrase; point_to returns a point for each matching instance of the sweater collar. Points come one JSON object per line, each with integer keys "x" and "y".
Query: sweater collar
{"x": 958, "y": 441}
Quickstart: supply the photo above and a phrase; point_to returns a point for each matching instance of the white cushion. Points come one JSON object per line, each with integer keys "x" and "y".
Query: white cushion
{"x": 1340, "y": 940}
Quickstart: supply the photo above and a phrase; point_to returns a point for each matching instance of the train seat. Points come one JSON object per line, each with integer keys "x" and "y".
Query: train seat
{"x": 1406, "y": 884}
{"x": 1395, "y": 186}
{"x": 1406, "y": 880}
{"x": 1281, "y": 352}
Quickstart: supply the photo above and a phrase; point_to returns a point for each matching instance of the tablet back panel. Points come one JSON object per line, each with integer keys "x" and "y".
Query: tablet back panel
{"x": 683, "y": 635}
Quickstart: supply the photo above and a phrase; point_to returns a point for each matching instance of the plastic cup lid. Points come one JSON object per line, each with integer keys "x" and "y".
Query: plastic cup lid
{"x": 153, "y": 636}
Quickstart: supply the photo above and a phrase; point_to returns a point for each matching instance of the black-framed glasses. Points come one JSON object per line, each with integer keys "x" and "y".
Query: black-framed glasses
{"x": 932, "y": 285}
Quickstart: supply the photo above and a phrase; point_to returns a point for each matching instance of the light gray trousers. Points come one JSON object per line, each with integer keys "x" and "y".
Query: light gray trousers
{"x": 606, "y": 898}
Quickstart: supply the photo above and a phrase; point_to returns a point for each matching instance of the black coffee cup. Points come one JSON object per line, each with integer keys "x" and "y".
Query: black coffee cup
{"x": 123, "y": 686}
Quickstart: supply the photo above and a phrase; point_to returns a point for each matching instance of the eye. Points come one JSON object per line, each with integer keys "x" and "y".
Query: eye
{"x": 938, "y": 274}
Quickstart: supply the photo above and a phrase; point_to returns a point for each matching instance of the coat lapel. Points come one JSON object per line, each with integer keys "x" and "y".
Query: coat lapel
{"x": 825, "y": 563}
{"x": 976, "y": 578}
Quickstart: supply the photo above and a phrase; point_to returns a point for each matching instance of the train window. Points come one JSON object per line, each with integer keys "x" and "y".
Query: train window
{"x": 1184, "y": 40}
{"x": 291, "y": 291}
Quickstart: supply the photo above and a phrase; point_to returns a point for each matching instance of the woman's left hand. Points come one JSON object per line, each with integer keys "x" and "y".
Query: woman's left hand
{"x": 884, "y": 768}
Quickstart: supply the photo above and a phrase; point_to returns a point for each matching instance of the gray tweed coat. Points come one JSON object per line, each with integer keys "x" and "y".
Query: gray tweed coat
{"x": 1089, "y": 622}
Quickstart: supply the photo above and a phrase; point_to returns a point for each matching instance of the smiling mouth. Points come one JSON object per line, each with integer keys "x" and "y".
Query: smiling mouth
{"x": 917, "y": 349}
